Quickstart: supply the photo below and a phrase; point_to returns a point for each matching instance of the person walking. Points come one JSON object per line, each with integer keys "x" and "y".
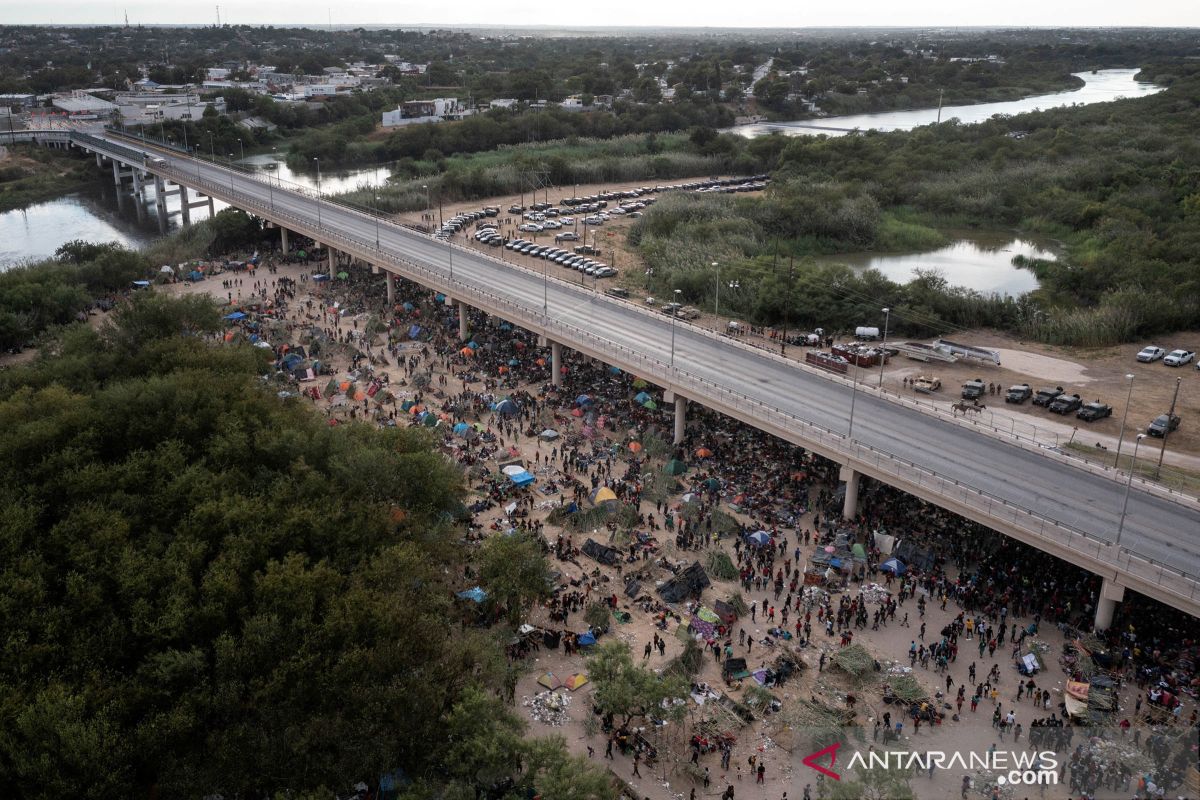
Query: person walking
{"x": 762, "y": 770}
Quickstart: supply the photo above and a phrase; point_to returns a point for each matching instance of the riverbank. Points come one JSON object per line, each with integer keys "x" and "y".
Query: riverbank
{"x": 32, "y": 174}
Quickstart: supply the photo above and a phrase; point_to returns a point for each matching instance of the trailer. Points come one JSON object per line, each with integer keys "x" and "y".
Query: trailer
{"x": 918, "y": 351}
{"x": 968, "y": 351}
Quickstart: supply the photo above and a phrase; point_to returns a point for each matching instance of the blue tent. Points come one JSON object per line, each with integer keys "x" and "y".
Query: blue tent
{"x": 641, "y": 397}
{"x": 583, "y": 400}
{"x": 504, "y": 326}
{"x": 439, "y": 297}
{"x": 615, "y": 370}
{"x": 235, "y": 316}
{"x": 507, "y": 407}
{"x": 141, "y": 284}
{"x": 471, "y": 344}
{"x": 514, "y": 362}
{"x": 521, "y": 478}
{"x": 461, "y": 428}
{"x": 836, "y": 563}
{"x": 586, "y": 639}
{"x": 760, "y": 538}
{"x": 414, "y": 331}
{"x": 475, "y": 594}
{"x": 408, "y": 306}
{"x": 319, "y": 278}
{"x": 195, "y": 275}
{"x": 894, "y": 566}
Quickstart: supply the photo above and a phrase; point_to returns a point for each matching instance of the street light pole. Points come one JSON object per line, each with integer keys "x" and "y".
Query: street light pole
{"x": 1167, "y": 430}
{"x": 1124, "y": 417}
{"x": 853, "y": 398}
{"x": 674, "y": 312}
{"x": 231, "y": 172}
{"x": 717, "y": 301}
{"x": 376, "y": 221}
{"x": 242, "y": 149}
{"x": 318, "y": 191}
{"x": 1128, "y": 486}
{"x": 887, "y": 316}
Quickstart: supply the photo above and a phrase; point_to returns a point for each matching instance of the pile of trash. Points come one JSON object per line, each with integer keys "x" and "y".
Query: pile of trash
{"x": 550, "y": 708}
{"x": 814, "y": 596}
{"x": 874, "y": 593}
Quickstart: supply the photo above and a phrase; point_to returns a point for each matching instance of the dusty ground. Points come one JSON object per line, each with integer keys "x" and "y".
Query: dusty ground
{"x": 669, "y": 779}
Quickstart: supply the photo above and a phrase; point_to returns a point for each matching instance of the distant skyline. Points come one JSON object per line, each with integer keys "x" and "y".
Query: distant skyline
{"x": 617, "y": 13}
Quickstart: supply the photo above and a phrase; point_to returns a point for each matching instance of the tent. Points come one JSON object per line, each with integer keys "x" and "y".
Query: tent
{"x": 859, "y": 552}
{"x": 894, "y": 566}
{"x": 548, "y": 435}
{"x": 583, "y": 400}
{"x": 166, "y": 270}
{"x": 550, "y": 681}
{"x": 676, "y": 467}
{"x": 603, "y": 494}
{"x": 461, "y": 428}
{"x": 703, "y": 452}
{"x": 650, "y": 405}
{"x": 235, "y": 316}
{"x": 635, "y": 447}
{"x": 141, "y": 284}
{"x": 475, "y": 595}
{"x": 319, "y": 278}
{"x": 713, "y": 483}
{"x": 605, "y": 555}
{"x": 639, "y": 383}
{"x": 195, "y": 275}
{"x": 760, "y": 538}
{"x": 707, "y": 614}
{"x": 414, "y": 331}
{"x": 586, "y": 639}
{"x": 575, "y": 681}
{"x": 520, "y": 477}
{"x": 343, "y": 275}
{"x": 688, "y": 583}
{"x": 641, "y": 397}
{"x": 507, "y": 407}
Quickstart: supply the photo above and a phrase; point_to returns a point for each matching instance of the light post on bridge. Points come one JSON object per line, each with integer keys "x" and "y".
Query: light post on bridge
{"x": 674, "y": 313}
{"x": 318, "y": 162}
{"x": 1167, "y": 430}
{"x": 1128, "y": 486}
{"x": 1125, "y": 416}
{"x": 887, "y": 317}
{"x": 717, "y": 298}
{"x": 231, "y": 172}
{"x": 853, "y": 398}
{"x": 242, "y": 149}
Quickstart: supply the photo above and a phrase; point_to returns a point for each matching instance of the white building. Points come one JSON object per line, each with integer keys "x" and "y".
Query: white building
{"x": 416, "y": 112}
{"x": 81, "y": 105}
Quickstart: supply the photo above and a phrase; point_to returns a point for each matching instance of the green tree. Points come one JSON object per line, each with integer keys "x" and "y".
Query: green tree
{"x": 628, "y": 690}
{"x": 513, "y": 570}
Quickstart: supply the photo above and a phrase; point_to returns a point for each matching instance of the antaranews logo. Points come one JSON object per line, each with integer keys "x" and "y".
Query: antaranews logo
{"x": 1014, "y": 767}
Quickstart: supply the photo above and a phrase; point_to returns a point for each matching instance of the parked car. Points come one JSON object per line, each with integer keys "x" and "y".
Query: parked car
{"x": 1163, "y": 424}
{"x": 566, "y": 236}
{"x": 1094, "y": 411}
{"x": 973, "y": 390}
{"x": 1045, "y": 397}
{"x": 617, "y": 291}
{"x": 1018, "y": 394}
{"x": 1066, "y": 403}
{"x": 1177, "y": 358}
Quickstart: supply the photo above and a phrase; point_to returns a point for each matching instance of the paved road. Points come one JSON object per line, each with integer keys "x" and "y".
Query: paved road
{"x": 1154, "y": 528}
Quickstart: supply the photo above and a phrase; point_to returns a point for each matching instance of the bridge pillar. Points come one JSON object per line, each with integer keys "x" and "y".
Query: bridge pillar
{"x": 464, "y": 332}
{"x": 283, "y": 239}
{"x": 1111, "y": 593}
{"x": 850, "y": 507}
{"x": 137, "y": 181}
{"x": 556, "y": 363}
{"x": 212, "y": 209}
{"x": 185, "y": 208}
{"x": 99, "y": 159}
{"x": 680, "y": 417}
{"x": 331, "y": 252}
{"x": 390, "y": 280}
{"x": 160, "y": 193}
{"x": 116, "y": 172}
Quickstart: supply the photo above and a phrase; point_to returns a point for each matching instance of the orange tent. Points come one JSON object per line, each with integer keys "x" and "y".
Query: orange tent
{"x": 635, "y": 447}
{"x": 703, "y": 452}
{"x": 466, "y": 351}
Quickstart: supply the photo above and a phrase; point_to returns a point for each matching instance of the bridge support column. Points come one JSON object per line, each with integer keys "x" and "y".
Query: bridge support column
{"x": 283, "y": 239}
{"x": 116, "y": 172}
{"x": 556, "y": 364}
{"x": 850, "y": 507}
{"x": 390, "y": 280}
{"x": 464, "y": 332}
{"x": 160, "y": 193}
{"x": 185, "y": 208}
{"x": 331, "y": 252}
{"x": 212, "y": 209}
{"x": 680, "y": 417}
{"x": 138, "y": 183}
{"x": 99, "y": 159}
{"x": 1111, "y": 593}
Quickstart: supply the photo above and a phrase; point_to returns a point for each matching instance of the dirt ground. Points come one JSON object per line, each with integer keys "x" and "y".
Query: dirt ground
{"x": 766, "y": 739}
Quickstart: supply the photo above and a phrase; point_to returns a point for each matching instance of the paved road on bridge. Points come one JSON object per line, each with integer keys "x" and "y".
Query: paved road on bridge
{"x": 1164, "y": 531}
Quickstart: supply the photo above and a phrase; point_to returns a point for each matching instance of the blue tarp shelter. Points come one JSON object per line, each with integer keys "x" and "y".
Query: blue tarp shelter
{"x": 414, "y": 331}
{"x": 760, "y": 538}
{"x": 522, "y": 478}
{"x": 235, "y": 316}
{"x": 319, "y": 278}
{"x": 586, "y": 639}
{"x": 641, "y": 397}
{"x": 475, "y": 595}
{"x": 894, "y": 566}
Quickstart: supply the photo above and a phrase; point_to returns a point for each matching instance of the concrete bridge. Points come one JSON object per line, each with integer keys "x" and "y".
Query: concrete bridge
{"x": 1135, "y": 534}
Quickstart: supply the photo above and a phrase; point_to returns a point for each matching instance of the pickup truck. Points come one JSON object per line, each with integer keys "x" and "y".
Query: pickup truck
{"x": 1094, "y": 411}
{"x": 973, "y": 390}
{"x": 1066, "y": 403}
{"x": 1162, "y": 425}
{"x": 1018, "y": 394}
{"x": 1045, "y": 397}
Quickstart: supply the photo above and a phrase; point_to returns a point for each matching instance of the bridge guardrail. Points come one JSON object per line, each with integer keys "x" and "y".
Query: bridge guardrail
{"x": 1167, "y": 578}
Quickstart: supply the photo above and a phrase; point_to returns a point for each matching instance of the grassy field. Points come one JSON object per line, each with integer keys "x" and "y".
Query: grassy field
{"x": 32, "y": 175}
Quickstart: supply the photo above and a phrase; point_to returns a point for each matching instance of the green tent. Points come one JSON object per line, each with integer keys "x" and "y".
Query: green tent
{"x": 650, "y": 404}
{"x": 676, "y": 467}
{"x": 858, "y": 551}
{"x": 343, "y": 275}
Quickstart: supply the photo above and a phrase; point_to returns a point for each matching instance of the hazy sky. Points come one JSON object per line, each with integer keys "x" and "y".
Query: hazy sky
{"x": 764, "y": 13}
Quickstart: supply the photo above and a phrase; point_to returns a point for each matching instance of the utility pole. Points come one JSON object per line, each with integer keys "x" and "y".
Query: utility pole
{"x": 940, "y": 93}
{"x": 787, "y": 301}
{"x": 1167, "y": 430}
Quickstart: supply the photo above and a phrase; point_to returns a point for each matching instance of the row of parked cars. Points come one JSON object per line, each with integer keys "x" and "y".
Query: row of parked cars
{"x": 1059, "y": 402}
{"x": 460, "y": 221}
{"x": 580, "y": 259}
{"x": 1175, "y": 358}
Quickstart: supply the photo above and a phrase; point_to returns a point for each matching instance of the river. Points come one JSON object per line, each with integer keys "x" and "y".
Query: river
{"x": 1099, "y": 87}
{"x": 99, "y": 215}
{"x": 979, "y": 260}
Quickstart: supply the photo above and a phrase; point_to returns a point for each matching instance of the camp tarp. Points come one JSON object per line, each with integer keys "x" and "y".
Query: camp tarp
{"x": 548, "y": 435}
{"x": 676, "y": 467}
{"x": 235, "y": 316}
{"x": 884, "y": 543}
{"x": 688, "y": 583}
{"x": 894, "y": 566}
{"x": 475, "y": 594}
{"x": 1076, "y": 708}
{"x": 760, "y": 538}
{"x": 633, "y": 587}
{"x": 608, "y": 556}
{"x": 707, "y": 614}
{"x": 725, "y": 611}
{"x": 859, "y": 552}
{"x": 586, "y": 639}
{"x": 521, "y": 478}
